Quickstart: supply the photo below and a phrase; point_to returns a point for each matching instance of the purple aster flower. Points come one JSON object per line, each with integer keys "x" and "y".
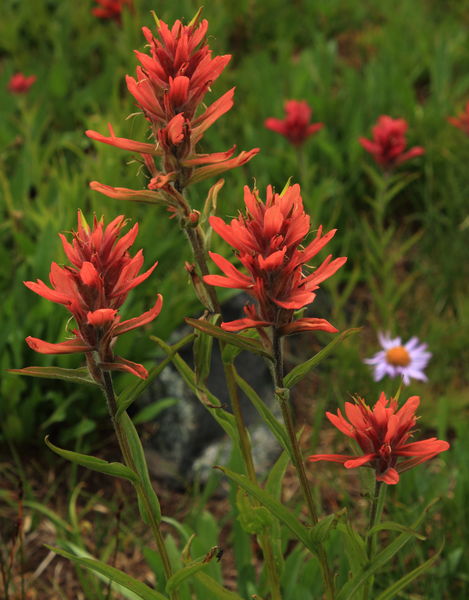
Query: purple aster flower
{"x": 398, "y": 359}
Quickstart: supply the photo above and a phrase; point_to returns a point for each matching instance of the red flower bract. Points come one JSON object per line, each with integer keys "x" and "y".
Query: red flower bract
{"x": 170, "y": 87}
{"x": 296, "y": 126}
{"x": 461, "y": 122}
{"x": 389, "y": 142}
{"x": 93, "y": 289}
{"x": 267, "y": 240}
{"x": 383, "y": 433}
{"x": 20, "y": 84}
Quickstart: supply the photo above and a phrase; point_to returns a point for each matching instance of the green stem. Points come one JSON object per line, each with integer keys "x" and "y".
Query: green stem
{"x": 376, "y": 511}
{"x": 297, "y": 458}
{"x": 196, "y": 239}
{"x": 108, "y": 389}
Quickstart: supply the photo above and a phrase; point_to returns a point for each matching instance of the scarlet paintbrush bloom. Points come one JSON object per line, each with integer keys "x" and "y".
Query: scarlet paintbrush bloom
{"x": 461, "y": 122}
{"x": 169, "y": 88}
{"x": 389, "y": 143}
{"x": 268, "y": 241}
{"x": 110, "y": 9}
{"x": 296, "y": 126}
{"x": 20, "y": 84}
{"x": 383, "y": 433}
{"x": 93, "y": 288}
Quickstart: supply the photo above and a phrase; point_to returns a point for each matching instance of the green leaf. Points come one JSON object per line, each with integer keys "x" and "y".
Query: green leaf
{"x": 321, "y": 530}
{"x": 130, "y": 394}
{"x": 254, "y": 519}
{"x": 396, "y": 587}
{"x": 274, "y": 506}
{"x": 138, "y": 458}
{"x": 203, "y": 353}
{"x": 354, "y": 545}
{"x": 264, "y": 411}
{"x": 139, "y": 588}
{"x": 299, "y": 372}
{"x": 95, "y": 464}
{"x": 273, "y": 484}
{"x": 392, "y": 526}
{"x": 80, "y": 375}
{"x": 190, "y": 569}
{"x": 150, "y": 412}
{"x": 215, "y": 588}
{"x": 241, "y": 341}
{"x": 209, "y": 401}
{"x": 384, "y": 556}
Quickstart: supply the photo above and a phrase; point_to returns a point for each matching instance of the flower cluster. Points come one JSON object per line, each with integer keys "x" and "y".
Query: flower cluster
{"x": 20, "y": 83}
{"x": 169, "y": 88}
{"x": 110, "y": 9}
{"x": 382, "y": 434}
{"x": 93, "y": 288}
{"x": 267, "y": 240}
{"x": 400, "y": 360}
{"x": 461, "y": 122}
{"x": 389, "y": 143}
{"x": 296, "y": 126}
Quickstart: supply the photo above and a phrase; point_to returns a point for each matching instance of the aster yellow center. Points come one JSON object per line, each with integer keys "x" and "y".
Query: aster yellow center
{"x": 398, "y": 356}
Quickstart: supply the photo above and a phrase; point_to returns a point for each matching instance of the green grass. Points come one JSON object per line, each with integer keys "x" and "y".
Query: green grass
{"x": 352, "y": 61}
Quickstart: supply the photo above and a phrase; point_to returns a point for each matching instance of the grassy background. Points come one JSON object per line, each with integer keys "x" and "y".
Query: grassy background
{"x": 352, "y": 61}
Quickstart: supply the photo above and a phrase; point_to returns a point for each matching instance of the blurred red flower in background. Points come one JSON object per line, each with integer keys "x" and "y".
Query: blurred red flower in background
{"x": 20, "y": 83}
{"x": 382, "y": 433}
{"x": 461, "y": 122}
{"x": 389, "y": 142}
{"x": 93, "y": 289}
{"x": 267, "y": 241}
{"x": 110, "y": 9}
{"x": 296, "y": 126}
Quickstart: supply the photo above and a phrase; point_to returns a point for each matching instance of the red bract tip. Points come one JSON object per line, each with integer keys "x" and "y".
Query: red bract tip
{"x": 111, "y": 9}
{"x": 462, "y": 121}
{"x": 268, "y": 241}
{"x": 382, "y": 434}
{"x": 94, "y": 287}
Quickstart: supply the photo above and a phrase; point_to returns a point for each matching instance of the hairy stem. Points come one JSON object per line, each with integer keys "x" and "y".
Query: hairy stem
{"x": 196, "y": 239}
{"x": 108, "y": 389}
{"x": 297, "y": 458}
{"x": 376, "y": 511}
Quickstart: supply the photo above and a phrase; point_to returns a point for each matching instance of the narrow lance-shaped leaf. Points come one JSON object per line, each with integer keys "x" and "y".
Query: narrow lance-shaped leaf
{"x": 215, "y": 588}
{"x": 392, "y": 591}
{"x": 139, "y": 588}
{"x": 264, "y": 411}
{"x": 299, "y": 372}
{"x": 140, "y": 464}
{"x": 349, "y": 589}
{"x": 80, "y": 375}
{"x": 95, "y": 464}
{"x": 208, "y": 400}
{"x": 190, "y": 569}
{"x": 130, "y": 394}
{"x": 274, "y": 506}
{"x": 239, "y": 340}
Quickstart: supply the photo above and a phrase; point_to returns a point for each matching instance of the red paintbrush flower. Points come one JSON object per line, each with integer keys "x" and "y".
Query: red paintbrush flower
{"x": 20, "y": 84}
{"x": 461, "y": 122}
{"x": 296, "y": 126}
{"x": 93, "y": 288}
{"x": 383, "y": 433}
{"x": 267, "y": 241}
{"x": 110, "y": 9}
{"x": 169, "y": 88}
{"x": 389, "y": 142}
